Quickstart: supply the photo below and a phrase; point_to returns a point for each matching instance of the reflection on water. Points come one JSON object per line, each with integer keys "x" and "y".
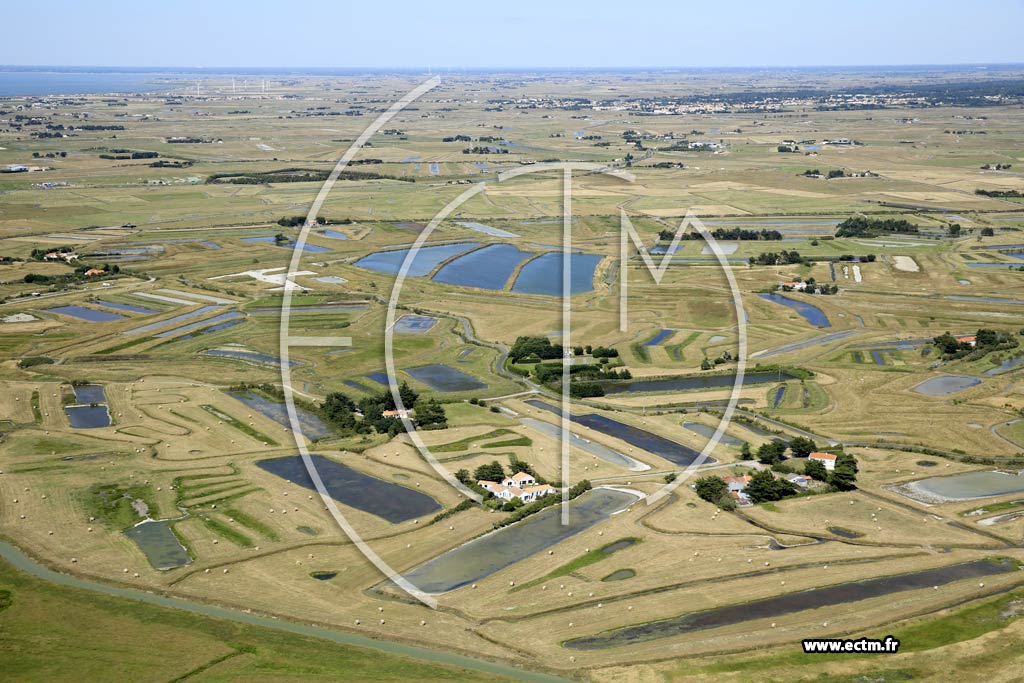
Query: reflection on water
{"x": 157, "y": 540}
{"x": 495, "y": 551}
{"x": 788, "y": 604}
{"x": 351, "y": 487}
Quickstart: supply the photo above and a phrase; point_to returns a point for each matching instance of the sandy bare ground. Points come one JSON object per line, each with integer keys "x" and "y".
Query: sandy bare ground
{"x": 906, "y": 264}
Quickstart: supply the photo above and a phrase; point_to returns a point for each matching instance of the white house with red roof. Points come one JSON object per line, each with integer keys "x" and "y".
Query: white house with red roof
{"x": 519, "y": 485}
{"x": 826, "y": 459}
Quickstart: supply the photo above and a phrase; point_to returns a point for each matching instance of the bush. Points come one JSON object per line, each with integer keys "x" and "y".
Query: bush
{"x": 32, "y": 361}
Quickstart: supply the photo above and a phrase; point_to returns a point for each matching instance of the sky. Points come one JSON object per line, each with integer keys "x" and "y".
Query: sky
{"x": 446, "y": 34}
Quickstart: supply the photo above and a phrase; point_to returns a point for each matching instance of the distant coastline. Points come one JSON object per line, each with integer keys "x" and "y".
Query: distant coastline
{"x": 43, "y": 80}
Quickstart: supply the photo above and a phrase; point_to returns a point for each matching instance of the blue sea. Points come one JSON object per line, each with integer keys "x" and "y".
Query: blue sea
{"x": 22, "y": 83}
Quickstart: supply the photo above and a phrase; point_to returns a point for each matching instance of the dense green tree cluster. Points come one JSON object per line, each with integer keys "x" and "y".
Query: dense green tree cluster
{"x": 712, "y": 489}
{"x": 999, "y": 193}
{"x": 985, "y": 341}
{"x": 740, "y": 234}
{"x": 765, "y": 487}
{"x": 815, "y": 469}
{"x": 534, "y": 347}
{"x": 344, "y": 414}
{"x": 862, "y": 226}
{"x": 782, "y": 258}
{"x": 844, "y": 476}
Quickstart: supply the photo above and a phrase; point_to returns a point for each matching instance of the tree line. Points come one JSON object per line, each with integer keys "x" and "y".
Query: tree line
{"x": 862, "y": 226}
{"x": 741, "y": 234}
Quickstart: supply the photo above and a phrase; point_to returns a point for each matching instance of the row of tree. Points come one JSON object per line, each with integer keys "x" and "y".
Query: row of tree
{"x": 740, "y": 234}
{"x": 862, "y": 226}
{"x": 999, "y": 193}
{"x": 782, "y": 258}
{"x": 296, "y": 221}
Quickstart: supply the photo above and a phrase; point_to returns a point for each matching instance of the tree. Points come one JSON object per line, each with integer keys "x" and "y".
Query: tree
{"x": 802, "y": 446}
{"x": 580, "y": 488}
{"x": 492, "y": 471}
{"x": 986, "y": 337}
{"x": 843, "y": 458}
{"x": 430, "y": 415}
{"x": 745, "y": 450}
{"x": 771, "y": 452}
{"x": 711, "y": 488}
{"x": 408, "y": 395}
{"x": 987, "y": 232}
{"x": 541, "y": 347}
{"x": 513, "y": 504}
{"x": 954, "y": 230}
{"x": 705, "y": 364}
{"x": 815, "y": 469}
{"x": 763, "y": 487}
{"x": 844, "y": 476}
{"x": 339, "y": 410}
{"x": 464, "y": 476}
{"x": 842, "y": 479}
{"x": 947, "y": 343}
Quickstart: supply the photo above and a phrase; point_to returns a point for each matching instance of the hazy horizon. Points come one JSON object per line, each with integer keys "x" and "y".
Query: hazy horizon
{"x": 526, "y": 35}
{"x": 329, "y": 70}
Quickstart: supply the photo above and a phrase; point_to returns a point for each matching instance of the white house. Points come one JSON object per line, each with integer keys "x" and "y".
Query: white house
{"x": 520, "y": 480}
{"x": 520, "y": 485}
{"x": 826, "y": 459}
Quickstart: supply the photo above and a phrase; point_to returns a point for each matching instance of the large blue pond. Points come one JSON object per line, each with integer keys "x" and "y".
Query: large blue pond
{"x": 946, "y": 384}
{"x": 90, "y": 314}
{"x": 88, "y": 417}
{"x": 125, "y": 307}
{"x": 689, "y": 383}
{"x": 160, "y": 544}
{"x": 269, "y": 239}
{"x": 231, "y": 315}
{"x": 444, "y": 378}
{"x": 790, "y": 603}
{"x": 970, "y": 485}
{"x": 652, "y": 443}
{"x": 89, "y": 393}
{"x": 351, "y": 487}
{"x": 426, "y": 259}
{"x": 487, "y": 268}
{"x": 252, "y": 356}
{"x": 493, "y": 552}
{"x": 312, "y": 426}
{"x": 808, "y": 312}
{"x": 203, "y": 310}
{"x": 543, "y": 275}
